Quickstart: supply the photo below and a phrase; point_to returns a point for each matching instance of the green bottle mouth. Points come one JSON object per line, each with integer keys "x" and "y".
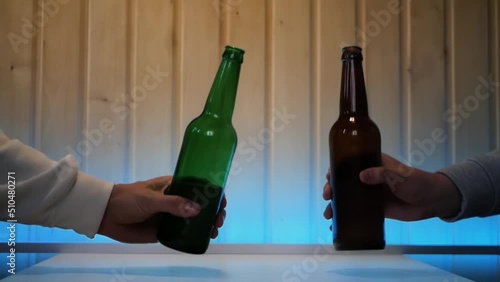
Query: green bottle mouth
{"x": 234, "y": 53}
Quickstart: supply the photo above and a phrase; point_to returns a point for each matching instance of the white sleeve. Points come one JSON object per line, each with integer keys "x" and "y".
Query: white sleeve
{"x": 49, "y": 193}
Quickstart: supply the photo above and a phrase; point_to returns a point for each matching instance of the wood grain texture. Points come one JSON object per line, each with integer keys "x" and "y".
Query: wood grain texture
{"x": 336, "y": 30}
{"x": 380, "y": 36}
{"x": 154, "y": 111}
{"x": 62, "y": 79}
{"x": 292, "y": 136}
{"x": 17, "y": 89}
{"x": 17, "y": 69}
{"x": 109, "y": 103}
{"x": 469, "y": 118}
{"x": 116, "y": 82}
{"x": 426, "y": 84}
{"x": 494, "y": 69}
{"x": 246, "y": 185}
{"x": 424, "y": 70}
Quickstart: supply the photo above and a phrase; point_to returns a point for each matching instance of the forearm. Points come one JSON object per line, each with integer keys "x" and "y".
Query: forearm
{"x": 49, "y": 193}
{"x": 478, "y": 180}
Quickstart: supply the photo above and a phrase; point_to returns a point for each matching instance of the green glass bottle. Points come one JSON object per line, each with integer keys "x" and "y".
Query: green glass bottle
{"x": 204, "y": 161}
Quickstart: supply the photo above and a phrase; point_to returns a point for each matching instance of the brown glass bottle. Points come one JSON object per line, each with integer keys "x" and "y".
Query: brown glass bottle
{"x": 355, "y": 144}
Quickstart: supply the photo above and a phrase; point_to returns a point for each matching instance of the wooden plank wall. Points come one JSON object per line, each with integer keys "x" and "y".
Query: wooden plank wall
{"x": 145, "y": 67}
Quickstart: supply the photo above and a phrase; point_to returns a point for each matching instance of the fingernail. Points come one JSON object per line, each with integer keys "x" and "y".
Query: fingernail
{"x": 365, "y": 176}
{"x": 192, "y": 207}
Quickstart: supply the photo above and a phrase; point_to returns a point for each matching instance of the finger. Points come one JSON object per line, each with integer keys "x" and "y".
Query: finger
{"x": 328, "y": 214}
{"x": 374, "y": 175}
{"x": 159, "y": 183}
{"x": 405, "y": 212}
{"x": 215, "y": 233}
{"x": 327, "y": 192}
{"x": 328, "y": 174}
{"x": 144, "y": 232}
{"x": 219, "y": 221}
{"x": 135, "y": 234}
{"x": 223, "y": 204}
{"x": 175, "y": 205}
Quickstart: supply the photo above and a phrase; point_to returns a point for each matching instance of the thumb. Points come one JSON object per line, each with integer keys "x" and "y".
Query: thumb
{"x": 373, "y": 175}
{"x": 175, "y": 205}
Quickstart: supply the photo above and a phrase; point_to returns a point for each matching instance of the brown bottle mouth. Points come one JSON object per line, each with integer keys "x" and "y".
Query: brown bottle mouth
{"x": 351, "y": 52}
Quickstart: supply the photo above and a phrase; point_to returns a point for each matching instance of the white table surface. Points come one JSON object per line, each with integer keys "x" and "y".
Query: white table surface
{"x": 215, "y": 267}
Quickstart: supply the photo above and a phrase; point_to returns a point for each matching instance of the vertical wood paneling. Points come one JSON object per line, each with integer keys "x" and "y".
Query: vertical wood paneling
{"x": 246, "y": 184}
{"x": 425, "y": 83}
{"x": 470, "y": 124}
{"x": 16, "y": 70}
{"x": 471, "y": 115}
{"x": 177, "y": 78}
{"x": 61, "y": 80}
{"x": 336, "y": 30}
{"x": 316, "y": 203}
{"x": 494, "y": 69}
{"x": 108, "y": 105}
{"x": 382, "y": 69}
{"x": 494, "y": 59}
{"x": 380, "y": 38}
{"x": 292, "y": 144}
{"x": 136, "y": 93}
{"x": 154, "y": 127}
{"x": 143, "y": 69}
{"x": 16, "y": 81}
{"x": 60, "y": 87}
{"x": 200, "y": 59}
{"x": 270, "y": 72}
{"x": 425, "y": 86}
{"x": 85, "y": 73}
{"x": 38, "y": 37}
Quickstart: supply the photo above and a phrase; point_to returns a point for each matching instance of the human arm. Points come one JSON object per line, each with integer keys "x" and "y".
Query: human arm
{"x": 57, "y": 194}
{"x": 478, "y": 180}
{"x": 50, "y": 193}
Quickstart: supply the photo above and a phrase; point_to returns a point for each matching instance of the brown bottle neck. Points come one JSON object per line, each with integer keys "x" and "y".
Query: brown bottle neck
{"x": 353, "y": 101}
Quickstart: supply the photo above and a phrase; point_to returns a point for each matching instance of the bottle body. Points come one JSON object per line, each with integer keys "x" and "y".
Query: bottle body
{"x": 358, "y": 208}
{"x": 201, "y": 178}
{"x": 203, "y": 165}
{"x": 355, "y": 145}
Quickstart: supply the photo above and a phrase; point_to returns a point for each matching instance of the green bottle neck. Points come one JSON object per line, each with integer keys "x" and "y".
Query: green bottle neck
{"x": 222, "y": 96}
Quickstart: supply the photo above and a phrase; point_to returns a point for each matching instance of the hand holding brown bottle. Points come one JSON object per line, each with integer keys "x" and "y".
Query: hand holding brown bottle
{"x": 411, "y": 194}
